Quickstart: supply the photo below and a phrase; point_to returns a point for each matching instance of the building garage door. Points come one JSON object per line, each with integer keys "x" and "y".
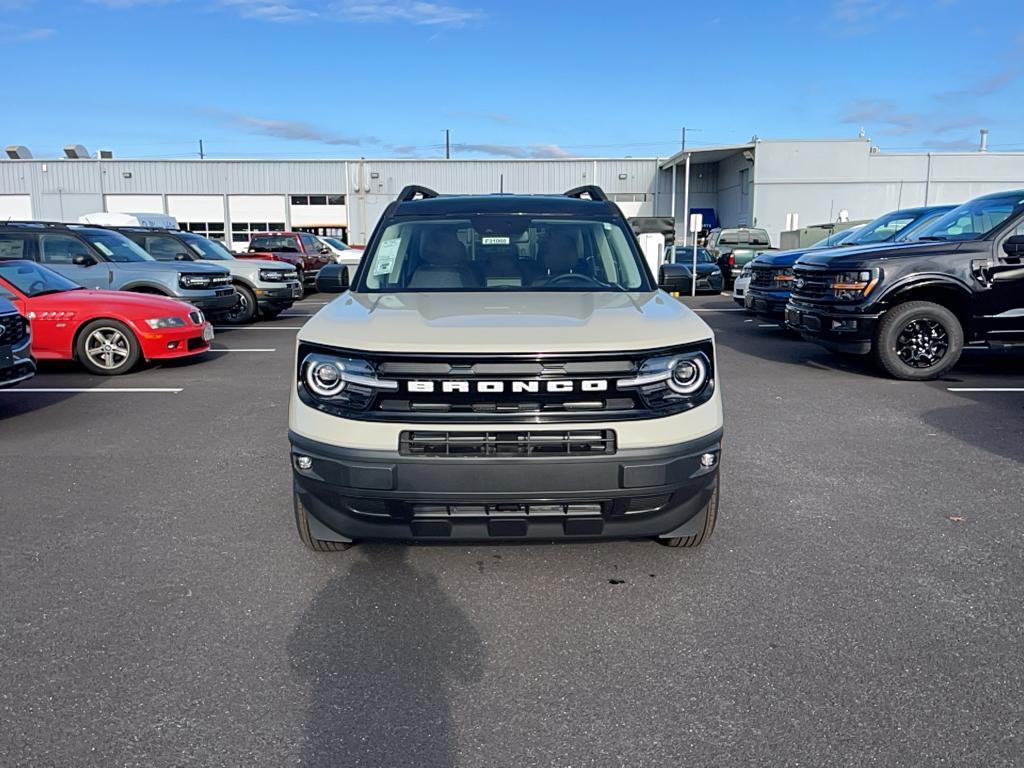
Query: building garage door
{"x": 254, "y": 213}
{"x": 202, "y": 214}
{"x": 16, "y": 207}
{"x": 134, "y": 204}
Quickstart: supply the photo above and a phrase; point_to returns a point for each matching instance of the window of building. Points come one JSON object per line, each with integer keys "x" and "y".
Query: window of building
{"x": 241, "y": 231}
{"x": 318, "y": 199}
{"x": 300, "y": 199}
{"x": 211, "y": 229}
{"x": 335, "y": 199}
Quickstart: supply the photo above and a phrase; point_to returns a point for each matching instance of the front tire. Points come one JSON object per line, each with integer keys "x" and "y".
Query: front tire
{"x": 918, "y": 341}
{"x": 107, "y": 348}
{"x": 710, "y": 518}
{"x": 244, "y": 311}
{"x": 306, "y": 535}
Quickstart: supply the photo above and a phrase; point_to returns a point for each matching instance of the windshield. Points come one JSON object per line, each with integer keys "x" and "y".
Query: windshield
{"x": 883, "y": 228}
{"x": 914, "y": 230}
{"x": 115, "y": 246}
{"x": 279, "y": 244}
{"x": 744, "y": 237}
{"x": 837, "y": 238}
{"x": 206, "y": 249}
{"x": 337, "y": 243}
{"x": 974, "y": 220}
{"x": 33, "y": 280}
{"x": 684, "y": 255}
{"x": 504, "y": 252}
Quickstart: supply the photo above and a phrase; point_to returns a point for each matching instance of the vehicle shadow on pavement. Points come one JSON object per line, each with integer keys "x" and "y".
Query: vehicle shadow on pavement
{"x": 992, "y": 421}
{"x": 380, "y": 647}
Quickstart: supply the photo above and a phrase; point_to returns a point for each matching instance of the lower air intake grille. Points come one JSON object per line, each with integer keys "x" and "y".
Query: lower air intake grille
{"x": 518, "y": 443}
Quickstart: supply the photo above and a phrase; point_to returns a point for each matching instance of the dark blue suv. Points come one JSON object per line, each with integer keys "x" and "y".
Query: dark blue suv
{"x": 771, "y": 274}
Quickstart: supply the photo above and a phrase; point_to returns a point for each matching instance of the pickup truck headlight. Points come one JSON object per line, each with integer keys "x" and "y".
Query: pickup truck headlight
{"x": 193, "y": 281}
{"x": 276, "y": 275}
{"x": 156, "y": 323}
{"x": 783, "y": 278}
{"x": 339, "y": 383}
{"x": 674, "y": 382}
{"x": 854, "y": 286}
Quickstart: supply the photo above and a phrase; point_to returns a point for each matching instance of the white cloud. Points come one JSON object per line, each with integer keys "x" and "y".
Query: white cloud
{"x": 271, "y": 10}
{"x": 411, "y": 12}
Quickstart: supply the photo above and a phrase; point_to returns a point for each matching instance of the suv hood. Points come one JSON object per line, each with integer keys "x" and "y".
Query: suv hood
{"x": 485, "y": 323}
{"x": 785, "y": 258}
{"x": 263, "y": 264}
{"x": 859, "y": 254}
{"x": 194, "y": 267}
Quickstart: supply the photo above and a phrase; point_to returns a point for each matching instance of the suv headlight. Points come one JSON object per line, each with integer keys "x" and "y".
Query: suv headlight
{"x": 674, "y": 382}
{"x": 193, "y": 281}
{"x": 854, "y": 286}
{"x": 336, "y": 383}
{"x": 275, "y": 275}
{"x": 156, "y": 323}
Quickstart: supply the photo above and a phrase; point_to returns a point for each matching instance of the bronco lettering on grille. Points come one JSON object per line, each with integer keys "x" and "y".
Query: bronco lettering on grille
{"x": 516, "y": 387}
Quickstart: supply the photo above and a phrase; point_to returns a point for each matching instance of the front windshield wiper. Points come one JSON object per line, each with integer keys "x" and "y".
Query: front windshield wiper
{"x": 934, "y": 238}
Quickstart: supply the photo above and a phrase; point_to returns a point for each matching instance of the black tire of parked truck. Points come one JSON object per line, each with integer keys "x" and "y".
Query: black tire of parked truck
{"x": 710, "y": 518}
{"x": 918, "y": 341}
{"x": 306, "y": 535}
{"x": 244, "y": 312}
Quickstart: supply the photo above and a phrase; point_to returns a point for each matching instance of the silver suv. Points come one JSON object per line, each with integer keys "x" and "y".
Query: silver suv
{"x": 102, "y": 259}
{"x": 503, "y": 367}
{"x": 264, "y": 288}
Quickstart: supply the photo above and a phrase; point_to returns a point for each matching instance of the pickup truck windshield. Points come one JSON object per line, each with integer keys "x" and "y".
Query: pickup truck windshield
{"x": 744, "y": 237}
{"x": 502, "y": 252}
{"x": 278, "y": 244}
{"x": 115, "y": 246}
{"x": 883, "y": 228}
{"x": 975, "y": 219}
{"x": 207, "y": 249}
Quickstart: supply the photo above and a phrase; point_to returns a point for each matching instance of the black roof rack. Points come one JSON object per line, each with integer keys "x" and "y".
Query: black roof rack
{"x": 410, "y": 192}
{"x": 592, "y": 191}
{"x": 39, "y": 224}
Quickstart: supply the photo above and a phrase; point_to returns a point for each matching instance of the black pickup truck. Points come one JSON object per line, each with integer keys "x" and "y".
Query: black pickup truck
{"x": 914, "y": 306}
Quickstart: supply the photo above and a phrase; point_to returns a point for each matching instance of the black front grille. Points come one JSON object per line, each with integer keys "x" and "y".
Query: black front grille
{"x": 504, "y": 511}
{"x": 13, "y": 328}
{"x": 762, "y": 277}
{"x": 507, "y": 444}
{"x": 195, "y": 317}
{"x": 811, "y": 283}
{"x": 195, "y": 343}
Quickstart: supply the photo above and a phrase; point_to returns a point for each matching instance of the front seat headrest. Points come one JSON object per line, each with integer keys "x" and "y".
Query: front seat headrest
{"x": 442, "y": 248}
{"x": 560, "y": 254}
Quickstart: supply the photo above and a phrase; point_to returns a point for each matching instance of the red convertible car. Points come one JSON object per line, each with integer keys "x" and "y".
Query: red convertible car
{"x": 108, "y": 332}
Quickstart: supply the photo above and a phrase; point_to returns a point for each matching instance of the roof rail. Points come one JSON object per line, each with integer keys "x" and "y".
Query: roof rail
{"x": 410, "y": 192}
{"x": 592, "y": 191}
{"x": 24, "y": 223}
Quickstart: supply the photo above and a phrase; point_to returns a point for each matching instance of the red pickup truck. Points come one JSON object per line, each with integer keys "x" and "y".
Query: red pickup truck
{"x": 301, "y": 250}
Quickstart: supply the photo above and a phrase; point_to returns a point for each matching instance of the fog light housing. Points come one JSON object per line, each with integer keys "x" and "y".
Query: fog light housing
{"x": 844, "y": 325}
{"x": 303, "y": 462}
{"x": 172, "y": 344}
{"x": 708, "y": 459}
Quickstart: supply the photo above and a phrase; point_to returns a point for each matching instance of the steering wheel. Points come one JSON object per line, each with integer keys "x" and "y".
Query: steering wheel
{"x": 37, "y": 285}
{"x": 576, "y": 276}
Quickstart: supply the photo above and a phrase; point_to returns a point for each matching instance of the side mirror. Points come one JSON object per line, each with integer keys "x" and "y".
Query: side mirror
{"x": 83, "y": 260}
{"x": 674, "y": 278}
{"x": 324, "y": 249}
{"x": 332, "y": 278}
{"x": 1014, "y": 246}
{"x": 183, "y": 257}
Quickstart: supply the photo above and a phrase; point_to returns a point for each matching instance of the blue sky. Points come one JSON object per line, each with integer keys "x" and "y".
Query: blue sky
{"x": 344, "y": 78}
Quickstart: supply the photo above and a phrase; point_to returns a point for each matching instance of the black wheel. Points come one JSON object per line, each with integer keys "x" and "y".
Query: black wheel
{"x": 710, "y": 518}
{"x": 302, "y": 285}
{"x": 307, "y": 537}
{"x": 107, "y": 347}
{"x": 244, "y": 310}
{"x": 918, "y": 340}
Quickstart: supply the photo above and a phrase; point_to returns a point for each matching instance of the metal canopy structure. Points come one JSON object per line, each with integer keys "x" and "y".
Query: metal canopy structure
{"x": 706, "y": 154}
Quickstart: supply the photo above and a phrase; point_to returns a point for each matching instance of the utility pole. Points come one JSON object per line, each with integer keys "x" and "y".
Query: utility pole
{"x": 202, "y": 154}
{"x": 682, "y": 142}
{"x": 447, "y": 144}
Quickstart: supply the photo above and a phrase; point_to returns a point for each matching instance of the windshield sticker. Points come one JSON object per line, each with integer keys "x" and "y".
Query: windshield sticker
{"x": 103, "y": 249}
{"x": 387, "y": 252}
{"x": 495, "y": 240}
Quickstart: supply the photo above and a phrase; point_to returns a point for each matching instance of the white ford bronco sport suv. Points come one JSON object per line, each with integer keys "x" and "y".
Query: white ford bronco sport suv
{"x": 503, "y": 367}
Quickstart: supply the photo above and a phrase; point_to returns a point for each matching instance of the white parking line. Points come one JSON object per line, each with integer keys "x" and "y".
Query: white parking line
{"x": 719, "y": 310}
{"x": 260, "y": 328}
{"x": 985, "y": 389}
{"x": 296, "y": 314}
{"x": 267, "y": 349}
{"x": 98, "y": 390}
{"x": 769, "y": 325}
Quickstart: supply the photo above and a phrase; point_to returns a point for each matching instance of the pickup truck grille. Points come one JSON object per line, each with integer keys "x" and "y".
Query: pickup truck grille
{"x": 508, "y": 444}
{"x": 811, "y": 283}
{"x": 762, "y": 277}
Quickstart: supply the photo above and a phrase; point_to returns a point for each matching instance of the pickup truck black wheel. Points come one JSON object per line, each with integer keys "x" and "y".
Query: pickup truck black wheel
{"x": 107, "y": 347}
{"x": 307, "y": 537}
{"x": 302, "y": 284}
{"x": 710, "y": 518}
{"x": 918, "y": 340}
{"x": 244, "y": 310}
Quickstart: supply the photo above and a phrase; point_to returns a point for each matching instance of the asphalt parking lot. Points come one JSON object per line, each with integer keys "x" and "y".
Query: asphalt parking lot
{"x": 859, "y": 603}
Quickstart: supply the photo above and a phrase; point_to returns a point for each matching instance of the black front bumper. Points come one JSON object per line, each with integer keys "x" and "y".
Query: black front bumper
{"x": 279, "y": 298}
{"x": 839, "y": 329}
{"x": 222, "y": 302}
{"x": 352, "y": 494}
{"x": 764, "y": 304}
{"x": 16, "y": 363}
